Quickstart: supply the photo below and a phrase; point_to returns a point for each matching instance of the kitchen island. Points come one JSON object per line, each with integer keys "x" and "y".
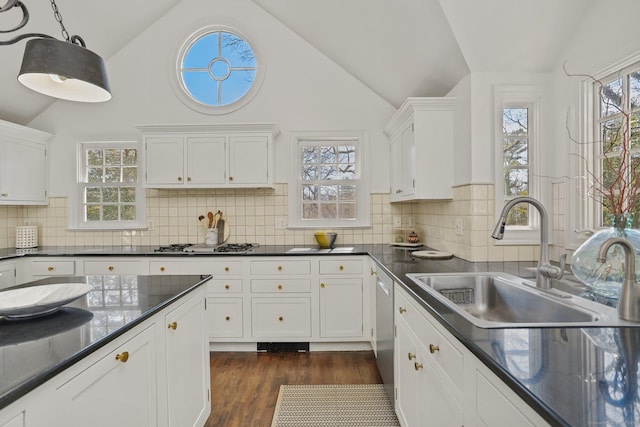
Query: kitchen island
{"x": 135, "y": 345}
{"x": 569, "y": 376}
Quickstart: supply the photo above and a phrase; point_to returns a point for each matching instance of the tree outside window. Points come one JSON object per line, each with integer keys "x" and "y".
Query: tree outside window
{"x": 515, "y": 148}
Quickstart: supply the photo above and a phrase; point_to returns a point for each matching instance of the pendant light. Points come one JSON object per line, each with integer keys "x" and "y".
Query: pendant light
{"x": 61, "y": 69}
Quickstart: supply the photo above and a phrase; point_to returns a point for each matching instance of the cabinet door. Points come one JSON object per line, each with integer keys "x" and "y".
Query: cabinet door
{"x": 225, "y": 317}
{"x": 7, "y": 275}
{"x": 23, "y": 174}
{"x": 341, "y": 308}
{"x": 120, "y": 389}
{"x": 206, "y": 160}
{"x": 17, "y": 421}
{"x": 164, "y": 160}
{"x": 187, "y": 365}
{"x": 249, "y": 160}
{"x": 407, "y": 142}
{"x": 408, "y": 376}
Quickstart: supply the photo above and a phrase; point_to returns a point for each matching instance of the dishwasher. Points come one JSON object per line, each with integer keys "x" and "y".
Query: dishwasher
{"x": 384, "y": 330}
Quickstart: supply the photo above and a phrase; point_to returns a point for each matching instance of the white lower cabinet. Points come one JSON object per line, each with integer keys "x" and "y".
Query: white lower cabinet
{"x": 341, "y": 303}
{"x": 442, "y": 384}
{"x": 187, "y": 365}
{"x": 119, "y": 389}
{"x": 281, "y": 317}
{"x": 224, "y": 317}
{"x": 15, "y": 421}
{"x": 7, "y": 275}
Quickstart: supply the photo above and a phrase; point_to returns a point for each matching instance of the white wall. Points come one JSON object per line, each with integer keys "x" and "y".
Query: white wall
{"x": 302, "y": 90}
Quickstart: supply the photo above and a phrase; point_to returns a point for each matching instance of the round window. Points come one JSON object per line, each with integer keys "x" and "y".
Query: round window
{"x": 218, "y": 70}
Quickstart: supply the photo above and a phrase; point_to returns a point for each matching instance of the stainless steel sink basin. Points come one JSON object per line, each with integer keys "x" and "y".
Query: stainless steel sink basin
{"x": 499, "y": 300}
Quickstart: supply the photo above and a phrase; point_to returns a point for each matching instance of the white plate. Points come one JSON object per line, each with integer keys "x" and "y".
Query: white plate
{"x": 432, "y": 254}
{"x": 39, "y": 300}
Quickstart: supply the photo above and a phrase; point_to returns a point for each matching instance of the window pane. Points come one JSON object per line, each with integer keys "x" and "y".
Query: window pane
{"x": 127, "y": 194}
{"x": 634, "y": 124}
{"x": 347, "y": 192}
{"x": 309, "y": 192}
{"x": 127, "y": 213}
{"x": 519, "y": 215}
{"x": 310, "y": 154}
{"x": 634, "y": 89}
{"x": 328, "y": 172}
{"x": 110, "y": 212}
{"x": 328, "y": 211}
{"x": 92, "y": 195}
{"x": 309, "y": 211}
{"x": 347, "y": 211}
{"x": 94, "y": 157}
{"x": 111, "y": 174}
{"x": 112, "y": 156}
{"x": 92, "y": 213}
{"x": 515, "y": 121}
{"x": 328, "y": 192}
{"x": 129, "y": 174}
{"x": 129, "y": 156}
{"x": 94, "y": 174}
{"x": 610, "y": 134}
{"x": 516, "y": 182}
{"x": 611, "y": 98}
{"x": 347, "y": 154}
{"x": 328, "y": 155}
{"x": 309, "y": 173}
{"x": 516, "y": 151}
{"x": 110, "y": 194}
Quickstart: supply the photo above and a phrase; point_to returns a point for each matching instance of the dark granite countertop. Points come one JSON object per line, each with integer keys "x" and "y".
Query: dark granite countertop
{"x": 570, "y": 376}
{"x": 36, "y": 349}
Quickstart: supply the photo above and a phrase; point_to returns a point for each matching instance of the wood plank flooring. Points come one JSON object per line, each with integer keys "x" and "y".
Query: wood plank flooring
{"x": 244, "y": 386}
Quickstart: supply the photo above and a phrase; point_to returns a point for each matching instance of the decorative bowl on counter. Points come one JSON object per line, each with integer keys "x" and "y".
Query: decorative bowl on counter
{"x": 325, "y": 239}
{"x": 39, "y": 300}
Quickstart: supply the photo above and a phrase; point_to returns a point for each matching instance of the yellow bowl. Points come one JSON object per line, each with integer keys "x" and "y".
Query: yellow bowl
{"x": 325, "y": 240}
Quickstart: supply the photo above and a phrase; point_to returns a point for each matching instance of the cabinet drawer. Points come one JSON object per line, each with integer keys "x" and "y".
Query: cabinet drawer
{"x": 114, "y": 267}
{"x": 224, "y": 286}
{"x": 53, "y": 268}
{"x": 281, "y": 267}
{"x": 224, "y": 317}
{"x": 281, "y": 286}
{"x": 281, "y": 317}
{"x": 345, "y": 266}
{"x": 183, "y": 266}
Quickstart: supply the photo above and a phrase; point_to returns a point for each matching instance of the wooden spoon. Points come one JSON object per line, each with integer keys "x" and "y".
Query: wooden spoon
{"x": 217, "y": 218}
{"x": 210, "y": 216}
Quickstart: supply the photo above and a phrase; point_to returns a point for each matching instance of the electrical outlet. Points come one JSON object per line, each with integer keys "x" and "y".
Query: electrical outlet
{"x": 459, "y": 226}
{"x": 281, "y": 223}
{"x": 150, "y": 225}
{"x": 397, "y": 221}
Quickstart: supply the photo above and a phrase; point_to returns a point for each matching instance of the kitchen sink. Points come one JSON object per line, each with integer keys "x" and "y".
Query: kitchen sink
{"x": 501, "y": 300}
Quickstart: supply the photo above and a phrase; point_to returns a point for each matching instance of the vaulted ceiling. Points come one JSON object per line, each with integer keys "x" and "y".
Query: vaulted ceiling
{"x": 397, "y": 48}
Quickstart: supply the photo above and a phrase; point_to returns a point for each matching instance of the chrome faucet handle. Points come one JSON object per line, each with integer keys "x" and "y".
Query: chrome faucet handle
{"x": 552, "y": 271}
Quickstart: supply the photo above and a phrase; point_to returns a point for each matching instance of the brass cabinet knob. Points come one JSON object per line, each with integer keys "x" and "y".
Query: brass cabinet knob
{"x": 5, "y": 194}
{"x": 50, "y": 268}
{"x": 403, "y": 310}
{"x": 418, "y": 366}
{"x": 411, "y": 356}
{"x": 280, "y": 319}
{"x": 341, "y": 268}
{"x": 230, "y": 178}
{"x": 188, "y": 178}
{"x": 162, "y": 269}
{"x": 173, "y": 325}
{"x": 110, "y": 268}
{"x": 279, "y": 268}
{"x": 433, "y": 348}
{"x": 179, "y": 178}
{"x": 226, "y": 269}
{"x": 227, "y": 318}
{"x": 122, "y": 357}
{"x": 279, "y": 287}
{"x": 226, "y": 286}
{"x": 322, "y": 285}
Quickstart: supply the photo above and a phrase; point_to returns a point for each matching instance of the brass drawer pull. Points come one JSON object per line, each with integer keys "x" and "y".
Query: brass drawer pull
{"x": 50, "y": 268}
{"x": 161, "y": 268}
{"x": 110, "y": 268}
{"x": 403, "y": 310}
{"x": 279, "y": 268}
{"x": 279, "y": 287}
{"x": 341, "y": 268}
{"x": 226, "y": 286}
{"x": 411, "y": 356}
{"x": 433, "y": 348}
{"x": 280, "y": 319}
{"x": 173, "y": 325}
{"x": 179, "y": 178}
{"x": 226, "y": 269}
{"x": 122, "y": 357}
{"x": 227, "y": 318}
{"x": 322, "y": 285}
{"x": 418, "y": 366}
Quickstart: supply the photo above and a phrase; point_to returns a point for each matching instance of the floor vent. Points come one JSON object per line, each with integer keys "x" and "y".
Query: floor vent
{"x": 280, "y": 347}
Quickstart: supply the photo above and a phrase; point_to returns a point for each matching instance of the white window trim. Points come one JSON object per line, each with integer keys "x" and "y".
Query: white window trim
{"x": 176, "y": 78}
{"x": 511, "y": 96}
{"x": 582, "y": 210}
{"x": 357, "y": 138}
{"x": 76, "y": 214}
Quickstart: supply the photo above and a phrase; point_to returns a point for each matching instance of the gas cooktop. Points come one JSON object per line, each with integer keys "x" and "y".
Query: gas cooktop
{"x": 226, "y": 248}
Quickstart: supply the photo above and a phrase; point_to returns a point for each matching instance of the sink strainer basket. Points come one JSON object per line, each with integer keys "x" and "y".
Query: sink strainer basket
{"x": 459, "y": 296}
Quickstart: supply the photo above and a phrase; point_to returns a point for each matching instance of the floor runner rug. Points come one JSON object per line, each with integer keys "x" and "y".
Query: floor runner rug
{"x": 358, "y": 405}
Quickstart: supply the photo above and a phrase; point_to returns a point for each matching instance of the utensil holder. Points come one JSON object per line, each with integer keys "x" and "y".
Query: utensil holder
{"x": 26, "y": 236}
{"x": 211, "y": 237}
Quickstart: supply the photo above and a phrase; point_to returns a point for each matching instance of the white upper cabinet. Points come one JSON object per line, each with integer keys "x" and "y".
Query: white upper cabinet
{"x": 421, "y": 150}
{"x": 23, "y": 165}
{"x": 209, "y": 156}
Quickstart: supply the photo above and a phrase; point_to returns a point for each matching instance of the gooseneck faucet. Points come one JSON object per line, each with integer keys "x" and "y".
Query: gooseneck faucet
{"x": 545, "y": 271}
{"x": 629, "y": 302}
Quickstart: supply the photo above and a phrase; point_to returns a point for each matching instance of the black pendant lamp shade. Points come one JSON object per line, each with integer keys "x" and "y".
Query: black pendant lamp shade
{"x": 64, "y": 70}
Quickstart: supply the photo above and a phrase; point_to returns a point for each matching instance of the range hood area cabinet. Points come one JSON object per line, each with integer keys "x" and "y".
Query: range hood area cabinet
{"x": 23, "y": 165}
{"x": 209, "y": 156}
{"x": 421, "y": 149}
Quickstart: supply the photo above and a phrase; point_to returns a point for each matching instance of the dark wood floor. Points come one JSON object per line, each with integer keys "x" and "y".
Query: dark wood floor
{"x": 244, "y": 386}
